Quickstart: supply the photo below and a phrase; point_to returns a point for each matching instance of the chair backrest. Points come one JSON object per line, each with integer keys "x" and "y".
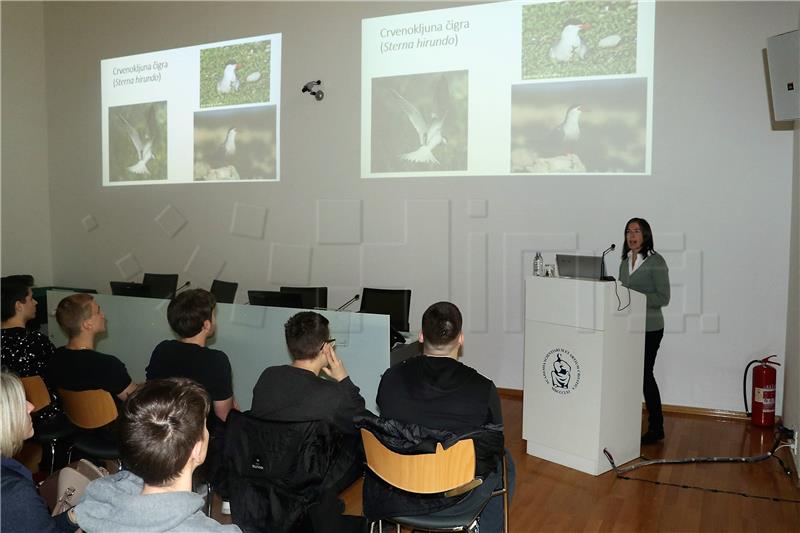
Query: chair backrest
{"x": 36, "y": 392}
{"x": 429, "y": 473}
{"x": 311, "y": 297}
{"x": 127, "y": 288}
{"x": 89, "y": 409}
{"x": 275, "y": 299}
{"x": 393, "y": 302}
{"x": 224, "y": 291}
{"x": 161, "y": 285}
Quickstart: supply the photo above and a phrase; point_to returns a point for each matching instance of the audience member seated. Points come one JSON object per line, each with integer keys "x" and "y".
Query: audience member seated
{"x": 296, "y": 393}
{"x": 26, "y": 353}
{"x": 77, "y": 366}
{"x": 23, "y": 510}
{"x": 163, "y": 439}
{"x": 192, "y": 316}
{"x": 437, "y": 391}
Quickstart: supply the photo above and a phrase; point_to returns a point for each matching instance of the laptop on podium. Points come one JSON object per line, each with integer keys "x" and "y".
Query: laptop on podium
{"x": 580, "y": 266}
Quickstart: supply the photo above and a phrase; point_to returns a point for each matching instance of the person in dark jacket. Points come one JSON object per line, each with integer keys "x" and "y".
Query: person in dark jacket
{"x": 437, "y": 391}
{"x": 23, "y": 510}
{"x": 297, "y": 393}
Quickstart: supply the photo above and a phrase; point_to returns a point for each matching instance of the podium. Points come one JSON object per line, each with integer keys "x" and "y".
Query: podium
{"x": 584, "y": 361}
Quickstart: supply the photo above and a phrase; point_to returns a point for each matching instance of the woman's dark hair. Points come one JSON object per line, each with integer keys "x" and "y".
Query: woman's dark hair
{"x": 159, "y": 426}
{"x": 306, "y": 332}
{"x": 188, "y": 310}
{"x": 441, "y": 324}
{"x": 647, "y": 238}
{"x": 13, "y": 289}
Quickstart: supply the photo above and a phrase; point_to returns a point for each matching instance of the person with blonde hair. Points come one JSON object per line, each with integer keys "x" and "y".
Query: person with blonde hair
{"x": 77, "y": 366}
{"x": 23, "y": 510}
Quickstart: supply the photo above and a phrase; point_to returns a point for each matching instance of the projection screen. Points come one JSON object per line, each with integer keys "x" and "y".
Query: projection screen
{"x": 509, "y": 88}
{"x": 208, "y": 113}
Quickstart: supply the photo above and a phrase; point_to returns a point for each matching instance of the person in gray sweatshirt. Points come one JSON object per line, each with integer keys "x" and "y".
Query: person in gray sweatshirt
{"x": 163, "y": 439}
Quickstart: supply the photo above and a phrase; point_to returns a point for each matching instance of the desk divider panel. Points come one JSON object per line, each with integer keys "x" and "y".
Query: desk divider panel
{"x": 252, "y": 336}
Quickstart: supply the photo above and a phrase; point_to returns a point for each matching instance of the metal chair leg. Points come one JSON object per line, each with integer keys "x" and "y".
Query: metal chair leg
{"x": 69, "y": 455}
{"x": 209, "y": 499}
{"x": 52, "y": 455}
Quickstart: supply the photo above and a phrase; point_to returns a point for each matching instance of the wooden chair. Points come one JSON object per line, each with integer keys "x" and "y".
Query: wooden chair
{"x": 51, "y": 430}
{"x": 36, "y": 392}
{"x": 91, "y": 410}
{"x": 449, "y": 472}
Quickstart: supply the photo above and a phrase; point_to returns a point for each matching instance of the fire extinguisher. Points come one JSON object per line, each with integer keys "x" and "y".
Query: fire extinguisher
{"x": 762, "y": 391}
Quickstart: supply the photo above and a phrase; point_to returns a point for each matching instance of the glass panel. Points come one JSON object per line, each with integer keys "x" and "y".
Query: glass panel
{"x": 252, "y": 336}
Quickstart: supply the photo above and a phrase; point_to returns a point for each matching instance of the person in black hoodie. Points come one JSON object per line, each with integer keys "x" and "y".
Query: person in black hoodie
{"x": 437, "y": 391}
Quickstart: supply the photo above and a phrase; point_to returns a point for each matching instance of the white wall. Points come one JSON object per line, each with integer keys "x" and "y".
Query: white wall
{"x": 26, "y": 236}
{"x": 719, "y": 198}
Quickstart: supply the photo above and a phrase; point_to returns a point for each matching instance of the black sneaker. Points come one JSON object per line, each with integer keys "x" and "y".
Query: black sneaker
{"x": 651, "y": 437}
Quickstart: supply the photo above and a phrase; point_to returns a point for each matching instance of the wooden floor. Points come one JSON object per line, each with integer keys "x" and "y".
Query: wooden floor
{"x": 549, "y": 497}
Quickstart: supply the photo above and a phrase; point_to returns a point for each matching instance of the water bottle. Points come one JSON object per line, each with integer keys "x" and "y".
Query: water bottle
{"x": 538, "y": 265}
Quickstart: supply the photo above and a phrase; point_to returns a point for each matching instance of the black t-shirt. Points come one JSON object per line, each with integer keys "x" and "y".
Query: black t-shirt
{"x": 208, "y": 367}
{"x": 439, "y": 393}
{"x": 290, "y": 394}
{"x": 80, "y": 370}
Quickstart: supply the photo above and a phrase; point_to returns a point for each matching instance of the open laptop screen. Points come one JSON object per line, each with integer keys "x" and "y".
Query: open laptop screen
{"x": 579, "y": 266}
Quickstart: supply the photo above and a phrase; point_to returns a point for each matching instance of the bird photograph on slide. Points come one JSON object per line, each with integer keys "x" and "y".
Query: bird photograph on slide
{"x": 235, "y": 74}
{"x": 419, "y": 122}
{"x": 597, "y": 126}
{"x": 137, "y": 142}
{"x": 235, "y": 144}
{"x": 572, "y": 39}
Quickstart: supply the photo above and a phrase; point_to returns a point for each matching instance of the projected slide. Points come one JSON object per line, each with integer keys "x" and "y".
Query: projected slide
{"x": 207, "y": 113}
{"x": 509, "y": 88}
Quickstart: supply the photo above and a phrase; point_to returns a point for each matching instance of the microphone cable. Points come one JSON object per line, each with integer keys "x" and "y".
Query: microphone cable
{"x": 619, "y": 302}
{"x": 781, "y": 431}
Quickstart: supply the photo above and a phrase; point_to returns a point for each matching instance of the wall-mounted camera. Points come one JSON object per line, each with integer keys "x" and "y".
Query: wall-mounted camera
{"x": 309, "y": 88}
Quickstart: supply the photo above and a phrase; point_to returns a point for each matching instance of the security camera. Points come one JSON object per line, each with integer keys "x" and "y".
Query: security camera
{"x": 309, "y": 88}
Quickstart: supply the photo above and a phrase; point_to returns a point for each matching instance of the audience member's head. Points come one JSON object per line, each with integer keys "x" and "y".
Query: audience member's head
{"x": 306, "y": 334}
{"x": 162, "y": 427}
{"x": 80, "y": 313}
{"x": 441, "y": 326}
{"x": 16, "y": 297}
{"x": 15, "y": 415}
{"x": 192, "y": 311}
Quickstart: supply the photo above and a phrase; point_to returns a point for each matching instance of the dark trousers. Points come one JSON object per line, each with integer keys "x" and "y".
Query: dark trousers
{"x": 652, "y": 398}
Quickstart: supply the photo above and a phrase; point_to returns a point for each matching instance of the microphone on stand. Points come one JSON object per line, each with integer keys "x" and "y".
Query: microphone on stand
{"x": 603, "y": 276}
{"x": 179, "y": 289}
{"x": 348, "y": 302}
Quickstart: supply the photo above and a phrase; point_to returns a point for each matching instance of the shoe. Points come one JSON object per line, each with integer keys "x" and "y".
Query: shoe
{"x": 651, "y": 437}
{"x": 226, "y": 508}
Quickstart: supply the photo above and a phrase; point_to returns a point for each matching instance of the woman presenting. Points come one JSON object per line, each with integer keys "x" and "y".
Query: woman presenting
{"x": 644, "y": 270}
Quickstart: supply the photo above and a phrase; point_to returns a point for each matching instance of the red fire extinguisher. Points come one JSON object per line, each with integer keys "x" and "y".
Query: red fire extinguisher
{"x": 762, "y": 391}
